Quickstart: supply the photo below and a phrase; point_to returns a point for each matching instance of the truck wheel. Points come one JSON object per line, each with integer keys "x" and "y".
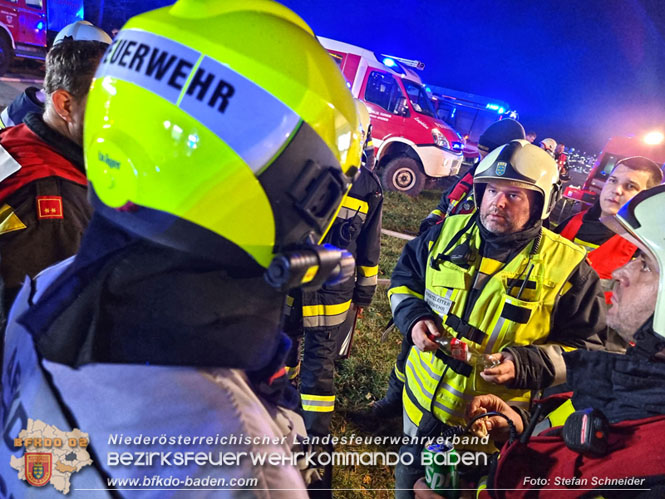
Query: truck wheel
{"x": 6, "y": 55}
{"x": 403, "y": 175}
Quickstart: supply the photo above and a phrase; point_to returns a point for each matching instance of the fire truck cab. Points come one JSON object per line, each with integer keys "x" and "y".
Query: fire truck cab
{"x": 412, "y": 144}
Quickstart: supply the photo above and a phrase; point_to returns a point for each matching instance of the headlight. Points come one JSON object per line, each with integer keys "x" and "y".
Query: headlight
{"x": 439, "y": 139}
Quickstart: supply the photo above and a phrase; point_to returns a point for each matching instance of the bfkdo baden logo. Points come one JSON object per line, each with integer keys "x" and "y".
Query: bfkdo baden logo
{"x": 51, "y": 455}
{"x": 38, "y": 468}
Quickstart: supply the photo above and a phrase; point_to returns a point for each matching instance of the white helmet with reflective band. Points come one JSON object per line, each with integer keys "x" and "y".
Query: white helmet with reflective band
{"x": 82, "y": 31}
{"x": 548, "y": 144}
{"x": 641, "y": 222}
{"x": 527, "y": 165}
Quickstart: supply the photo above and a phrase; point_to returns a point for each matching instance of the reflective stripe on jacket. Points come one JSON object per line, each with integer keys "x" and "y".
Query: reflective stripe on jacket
{"x": 499, "y": 318}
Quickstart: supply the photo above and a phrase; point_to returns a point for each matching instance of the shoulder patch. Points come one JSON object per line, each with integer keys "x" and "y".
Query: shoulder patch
{"x": 49, "y": 207}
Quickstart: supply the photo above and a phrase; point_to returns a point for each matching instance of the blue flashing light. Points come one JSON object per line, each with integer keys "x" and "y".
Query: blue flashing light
{"x": 389, "y": 62}
{"x": 501, "y": 110}
{"x": 40, "y": 25}
{"x": 79, "y": 14}
{"x": 428, "y": 89}
{"x": 493, "y": 107}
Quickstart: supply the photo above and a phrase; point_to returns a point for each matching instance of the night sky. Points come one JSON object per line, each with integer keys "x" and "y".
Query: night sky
{"x": 577, "y": 71}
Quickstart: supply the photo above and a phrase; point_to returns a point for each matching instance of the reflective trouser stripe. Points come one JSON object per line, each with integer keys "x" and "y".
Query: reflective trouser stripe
{"x": 367, "y": 276}
{"x": 367, "y": 281}
{"x": 318, "y": 403}
{"x": 368, "y": 271}
{"x": 325, "y": 315}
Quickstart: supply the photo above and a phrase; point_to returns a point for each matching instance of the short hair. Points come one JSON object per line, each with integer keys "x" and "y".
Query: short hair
{"x": 532, "y": 133}
{"x": 71, "y": 65}
{"x": 642, "y": 164}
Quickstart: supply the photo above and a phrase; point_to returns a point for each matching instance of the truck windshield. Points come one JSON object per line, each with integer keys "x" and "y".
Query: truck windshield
{"x": 419, "y": 100}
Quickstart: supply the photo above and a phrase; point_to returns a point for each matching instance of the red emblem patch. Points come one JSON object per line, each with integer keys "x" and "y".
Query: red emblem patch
{"x": 38, "y": 468}
{"x": 49, "y": 207}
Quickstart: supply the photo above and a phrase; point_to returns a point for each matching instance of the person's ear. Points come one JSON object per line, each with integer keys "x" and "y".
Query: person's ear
{"x": 63, "y": 104}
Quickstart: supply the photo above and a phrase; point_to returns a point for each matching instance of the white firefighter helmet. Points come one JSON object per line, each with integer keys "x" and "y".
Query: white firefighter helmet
{"x": 549, "y": 145}
{"x": 527, "y": 165}
{"x": 82, "y": 31}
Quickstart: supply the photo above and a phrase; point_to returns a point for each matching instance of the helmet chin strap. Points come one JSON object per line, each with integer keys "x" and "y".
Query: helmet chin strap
{"x": 648, "y": 343}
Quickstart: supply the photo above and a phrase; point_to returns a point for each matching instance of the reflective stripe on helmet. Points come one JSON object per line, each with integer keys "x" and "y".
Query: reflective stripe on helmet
{"x": 210, "y": 92}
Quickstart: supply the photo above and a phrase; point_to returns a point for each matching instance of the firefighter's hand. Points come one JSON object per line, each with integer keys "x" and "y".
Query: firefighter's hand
{"x": 423, "y": 491}
{"x": 420, "y": 333}
{"x": 496, "y": 426}
{"x": 504, "y": 372}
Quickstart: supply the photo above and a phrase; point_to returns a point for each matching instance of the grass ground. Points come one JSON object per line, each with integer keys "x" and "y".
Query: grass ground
{"x": 363, "y": 377}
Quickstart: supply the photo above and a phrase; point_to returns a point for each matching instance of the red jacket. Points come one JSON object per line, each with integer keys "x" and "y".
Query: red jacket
{"x": 606, "y": 258}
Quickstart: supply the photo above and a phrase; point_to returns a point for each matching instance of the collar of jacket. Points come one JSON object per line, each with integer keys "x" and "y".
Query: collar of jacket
{"x": 592, "y": 219}
{"x": 67, "y": 148}
{"x": 127, "y": 300}
{"x": 593, "y": 213}
{"x": 498, "y": 246}
{"x": 622, "y": 386}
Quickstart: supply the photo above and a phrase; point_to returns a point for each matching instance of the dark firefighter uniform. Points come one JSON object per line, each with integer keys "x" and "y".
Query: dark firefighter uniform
{"x": 325, "y": 315}
{"x": 530, "y": 289}
{"x": 43, "y": 201}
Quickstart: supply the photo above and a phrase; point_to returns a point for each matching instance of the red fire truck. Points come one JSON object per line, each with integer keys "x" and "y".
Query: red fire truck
{"x": 25, "y": 24}
{"x": 412, "y": 144}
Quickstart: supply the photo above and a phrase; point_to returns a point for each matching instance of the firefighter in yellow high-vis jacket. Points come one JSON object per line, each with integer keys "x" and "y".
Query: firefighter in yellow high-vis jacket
{"x": 501, "y": 285}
